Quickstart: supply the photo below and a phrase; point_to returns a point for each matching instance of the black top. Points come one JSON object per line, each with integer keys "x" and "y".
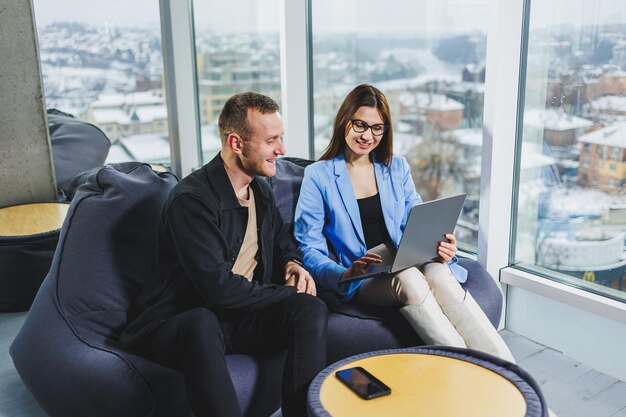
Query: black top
{"x": 200, "y": 235}
{"x": 372, "y": 220}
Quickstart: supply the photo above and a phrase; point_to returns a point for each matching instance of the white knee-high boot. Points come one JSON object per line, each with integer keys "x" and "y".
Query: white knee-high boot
{"x": 476, "y": 329}
{"x": 431, "y": 324}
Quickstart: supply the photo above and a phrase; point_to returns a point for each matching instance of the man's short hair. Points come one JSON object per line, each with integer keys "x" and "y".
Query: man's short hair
{"x": 234, "y": 115}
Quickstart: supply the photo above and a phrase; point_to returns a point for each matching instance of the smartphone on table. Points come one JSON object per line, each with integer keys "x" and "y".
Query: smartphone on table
{"x": 362, "y": 383}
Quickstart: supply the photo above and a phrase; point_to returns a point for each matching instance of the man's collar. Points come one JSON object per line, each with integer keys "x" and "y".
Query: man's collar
{"x": 218, "y": 178}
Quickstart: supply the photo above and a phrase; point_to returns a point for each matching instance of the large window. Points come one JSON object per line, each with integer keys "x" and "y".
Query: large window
{"x": 237, "y": 50}
{"x": 428, "y": 57}
{"x": 571, "y": 208}
{"x": 102, "y": 63}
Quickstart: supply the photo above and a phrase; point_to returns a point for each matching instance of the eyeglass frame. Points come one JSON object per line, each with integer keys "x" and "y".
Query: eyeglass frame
{"x": 385, "y": 127}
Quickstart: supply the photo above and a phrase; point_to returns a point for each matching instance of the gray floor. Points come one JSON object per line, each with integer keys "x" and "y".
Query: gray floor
{"x": 571, "y": 388}
{"x": 15, "y": 400}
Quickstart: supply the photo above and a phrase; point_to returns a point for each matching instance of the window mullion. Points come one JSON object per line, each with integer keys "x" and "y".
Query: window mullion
{"x": 181, "y": 90}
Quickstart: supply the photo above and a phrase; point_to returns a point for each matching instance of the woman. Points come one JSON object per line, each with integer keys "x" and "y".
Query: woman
{"x": 356, "y": 199}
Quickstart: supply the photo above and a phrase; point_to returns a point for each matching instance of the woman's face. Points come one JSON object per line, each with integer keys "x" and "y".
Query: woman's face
{"x": 359, "y": 144}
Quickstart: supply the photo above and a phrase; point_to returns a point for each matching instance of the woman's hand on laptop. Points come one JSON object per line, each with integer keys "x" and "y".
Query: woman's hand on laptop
{"x": 447, "y": 250}
{"x": 361, "y": 265}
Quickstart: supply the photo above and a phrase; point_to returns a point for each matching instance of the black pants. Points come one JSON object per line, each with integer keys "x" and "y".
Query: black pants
{"x": 195, "y": 342}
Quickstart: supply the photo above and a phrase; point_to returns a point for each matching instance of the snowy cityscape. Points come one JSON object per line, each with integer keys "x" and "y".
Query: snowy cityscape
{"x": 571, "y": 204}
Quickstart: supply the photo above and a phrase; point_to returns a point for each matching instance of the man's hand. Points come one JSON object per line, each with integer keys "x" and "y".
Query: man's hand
{"x": 447, "y": 250}
{"x": 361, "y": 265}
{"x": 297, "y": 276}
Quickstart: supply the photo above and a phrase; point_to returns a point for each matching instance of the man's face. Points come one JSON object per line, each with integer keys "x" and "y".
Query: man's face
{"x": 260, "y": 150}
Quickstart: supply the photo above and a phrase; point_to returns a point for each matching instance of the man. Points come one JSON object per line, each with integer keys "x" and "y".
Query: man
{"x": 229, "y": 277}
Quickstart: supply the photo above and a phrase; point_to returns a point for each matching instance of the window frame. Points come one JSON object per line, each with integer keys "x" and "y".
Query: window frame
{"x": 514, "y": 21}
{"x": 537, "y": 306}
{"x": 179, "y": 72}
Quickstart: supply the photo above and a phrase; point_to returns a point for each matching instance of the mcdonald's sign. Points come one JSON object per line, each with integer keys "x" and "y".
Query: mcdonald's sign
{"x": 589, "y": 276}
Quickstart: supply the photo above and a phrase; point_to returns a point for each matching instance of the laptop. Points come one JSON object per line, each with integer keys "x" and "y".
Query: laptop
{"x": 425, "y": 228}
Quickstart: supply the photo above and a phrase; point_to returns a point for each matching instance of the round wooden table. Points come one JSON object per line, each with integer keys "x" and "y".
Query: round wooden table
{"x": 425, "y": 382}
{"x": 31, "y": 219}
{"x": 29, "y": 234}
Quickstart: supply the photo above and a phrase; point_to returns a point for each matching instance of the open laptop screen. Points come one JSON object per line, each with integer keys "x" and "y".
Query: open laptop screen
{"x": 427, "y": 225}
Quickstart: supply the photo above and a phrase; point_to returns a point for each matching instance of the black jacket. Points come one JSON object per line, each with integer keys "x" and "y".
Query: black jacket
{"x": 200, "y": 235}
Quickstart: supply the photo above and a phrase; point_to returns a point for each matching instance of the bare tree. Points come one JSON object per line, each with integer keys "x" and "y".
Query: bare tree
{"x": 438, "y": 164}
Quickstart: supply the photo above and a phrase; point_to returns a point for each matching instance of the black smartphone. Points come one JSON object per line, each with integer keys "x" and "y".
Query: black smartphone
{"x": 364, "y": 384}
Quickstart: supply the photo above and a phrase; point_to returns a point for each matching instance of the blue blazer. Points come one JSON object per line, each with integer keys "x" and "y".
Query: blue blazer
{"x": 327, "y": 218}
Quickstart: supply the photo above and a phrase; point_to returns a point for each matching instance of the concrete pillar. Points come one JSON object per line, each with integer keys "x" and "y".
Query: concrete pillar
{"x": 26, "y": 169}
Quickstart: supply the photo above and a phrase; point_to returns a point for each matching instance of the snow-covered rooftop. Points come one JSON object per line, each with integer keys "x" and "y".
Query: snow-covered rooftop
{"x": 465, "y": 86}
{"x": 151, "y": 113}
{"x": 553, "y": 119}
{"x": 468, "y": 137}
{"x": 117, "y": 153}
{"x": 616, "y": 73}
{"x": 615, "y": 103}
{"x": 577, "y": 202}
{"x": 534, "y": 157}
{"x": 430, "y": 101}
{"x": 613, "y": 135}
{"x": 142, "y": 98}
{"x": 111, "y": 116}
{"x": 404, "y": 142}
{"x": 149, "y": 147}
{"x": 145, "y": 114}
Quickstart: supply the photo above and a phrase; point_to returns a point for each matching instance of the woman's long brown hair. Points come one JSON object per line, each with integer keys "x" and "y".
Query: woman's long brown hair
{"x": 362, "y": 95}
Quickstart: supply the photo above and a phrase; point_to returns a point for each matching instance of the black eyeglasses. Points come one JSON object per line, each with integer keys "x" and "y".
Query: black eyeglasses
{"x": 360, "y": 126}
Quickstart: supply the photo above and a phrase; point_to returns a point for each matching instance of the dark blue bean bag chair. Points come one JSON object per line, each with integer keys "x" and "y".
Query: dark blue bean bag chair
{"x": 76, "y": 147}
{"x": 353, "y": 328}
{"x": 67, "y": 351}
